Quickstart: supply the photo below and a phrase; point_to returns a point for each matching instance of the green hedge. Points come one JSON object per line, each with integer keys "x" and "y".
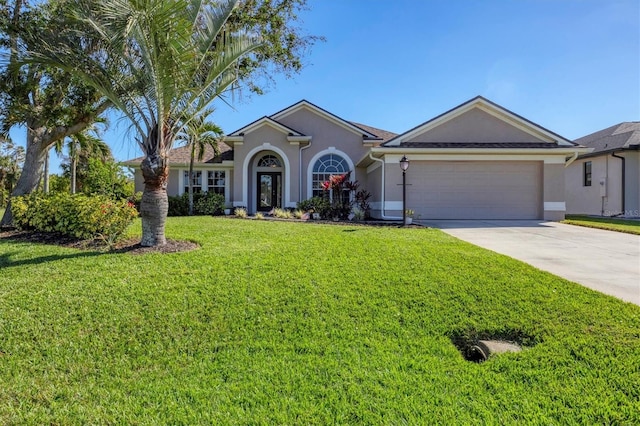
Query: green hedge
{"x": 79, "y": 216}
{"x": 204, "y": 203}
{"x": 316, "y": 205}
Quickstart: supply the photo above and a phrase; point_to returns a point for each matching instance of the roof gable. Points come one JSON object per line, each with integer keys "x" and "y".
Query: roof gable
{"x": 478, "y": 121}
{"x": 304, "y": 104}
{"x": 266, "y": 121}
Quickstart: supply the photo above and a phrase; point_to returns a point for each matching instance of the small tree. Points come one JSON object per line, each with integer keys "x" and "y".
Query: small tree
{"x": 82, "y": 145}
{"x": 198, "y": 134}
{"x": 105, "y": 177}
{"x": 11, "y": 159}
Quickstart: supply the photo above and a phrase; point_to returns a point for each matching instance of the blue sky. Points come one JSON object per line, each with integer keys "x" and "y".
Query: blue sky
{"x": 572, "y": 66}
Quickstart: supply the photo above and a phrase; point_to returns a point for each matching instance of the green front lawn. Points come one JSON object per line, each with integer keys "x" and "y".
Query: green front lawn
{"x": 291, "y": 323}
{"x": 610, "y": 224}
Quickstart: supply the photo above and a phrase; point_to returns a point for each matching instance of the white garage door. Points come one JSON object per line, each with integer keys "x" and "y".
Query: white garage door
{"x": 475, "y": 189}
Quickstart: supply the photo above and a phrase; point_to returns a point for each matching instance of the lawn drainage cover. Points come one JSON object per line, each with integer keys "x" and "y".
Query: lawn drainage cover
{"x": 480, "y": 346}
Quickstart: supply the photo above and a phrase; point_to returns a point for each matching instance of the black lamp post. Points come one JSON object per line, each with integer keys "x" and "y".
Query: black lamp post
{"x": 404, "y": 165}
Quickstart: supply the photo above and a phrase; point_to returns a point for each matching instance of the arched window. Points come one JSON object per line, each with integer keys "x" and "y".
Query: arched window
{"x": 327, "y": 165}
{"x": 269, "y": 161}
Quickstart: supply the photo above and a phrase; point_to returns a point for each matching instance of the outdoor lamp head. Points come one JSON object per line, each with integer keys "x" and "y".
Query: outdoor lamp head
{"x": 404, "y": 163}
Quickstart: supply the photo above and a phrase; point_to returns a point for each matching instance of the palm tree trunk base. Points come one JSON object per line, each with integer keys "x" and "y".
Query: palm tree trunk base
{"x": 154, "y": 207}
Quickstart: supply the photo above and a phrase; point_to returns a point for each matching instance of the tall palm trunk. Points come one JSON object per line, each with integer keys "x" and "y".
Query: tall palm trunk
{"x": 193, "y": 149}
{"x": 154, "y": 205}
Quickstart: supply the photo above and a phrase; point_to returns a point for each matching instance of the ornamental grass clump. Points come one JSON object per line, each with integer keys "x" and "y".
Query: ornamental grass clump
{"x": 282, "y": 214}
{"x": 78, "y": 216}
{"x": 241, "y": 212}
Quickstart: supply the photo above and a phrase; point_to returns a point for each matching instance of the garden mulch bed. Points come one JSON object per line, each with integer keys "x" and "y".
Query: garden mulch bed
{"x": 131, "y": 245}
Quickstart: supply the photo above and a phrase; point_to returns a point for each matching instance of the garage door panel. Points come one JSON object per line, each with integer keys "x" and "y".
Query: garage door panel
{"x": 475, "y": 190}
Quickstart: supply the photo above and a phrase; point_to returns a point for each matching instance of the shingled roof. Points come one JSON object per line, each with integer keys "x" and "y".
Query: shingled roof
{"x": 182, "y": 155}
{"x": 384, "y": 135}
{"x": 625, "y": 135}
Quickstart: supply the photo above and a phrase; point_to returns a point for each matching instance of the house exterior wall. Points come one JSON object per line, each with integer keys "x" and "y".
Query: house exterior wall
{"x": 262, "y": 141}
{"x": 597, "y": 199}
{"x": 554, "y": 205}
{"x": 632, "y": 183}
{"x": 138, "y": 180}
{"x": 327, "y": 136}
{"x": 475, "y": 126}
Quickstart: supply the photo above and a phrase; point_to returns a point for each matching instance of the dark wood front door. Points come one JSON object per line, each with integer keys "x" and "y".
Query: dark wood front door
{"x": 269, "y": 190}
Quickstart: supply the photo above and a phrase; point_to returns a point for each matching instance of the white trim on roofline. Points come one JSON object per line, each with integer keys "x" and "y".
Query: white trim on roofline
{"x": 490, "y": 108}
{"x": 259, "y": 123}
{"x": 483, "y": 151}
{"x": 325, "y": 114}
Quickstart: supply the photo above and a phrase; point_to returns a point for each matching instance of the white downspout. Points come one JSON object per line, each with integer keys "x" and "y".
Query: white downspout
{"x": 300, "y": 190}
{"x": 571, "y": 160}
{"x": 382, "y": 215}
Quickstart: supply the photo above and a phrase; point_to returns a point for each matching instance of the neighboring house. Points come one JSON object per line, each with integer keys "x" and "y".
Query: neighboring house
{"x": 476, "y": 161}
{"x": 606, "y": 182}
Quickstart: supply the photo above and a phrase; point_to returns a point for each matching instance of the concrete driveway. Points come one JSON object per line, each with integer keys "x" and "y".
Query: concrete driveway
{"x": 605, "y": 261}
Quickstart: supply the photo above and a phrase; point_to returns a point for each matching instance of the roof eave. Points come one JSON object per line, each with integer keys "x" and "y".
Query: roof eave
{"x": 548, "y": 151}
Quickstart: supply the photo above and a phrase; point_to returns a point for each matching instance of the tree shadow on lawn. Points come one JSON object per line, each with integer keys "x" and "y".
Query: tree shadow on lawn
{"x": 6, "y": 262}
{"x": 89, "y": 248}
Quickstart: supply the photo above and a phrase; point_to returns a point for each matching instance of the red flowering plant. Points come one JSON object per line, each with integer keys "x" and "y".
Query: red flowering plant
{"x": 338, "y": 189}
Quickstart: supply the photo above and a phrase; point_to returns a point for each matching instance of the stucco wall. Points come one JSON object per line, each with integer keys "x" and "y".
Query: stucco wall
{"x": 374, "y": 186}
{"x": 589, "y": 200}
{"x": 173, "y": 185}
{"x": 632, "y": 183}
{"x": 475, "y": 126}
{"x": 138, "y": 180}
{"x": 553, "y": 193}
{"x": 325, "y": 135}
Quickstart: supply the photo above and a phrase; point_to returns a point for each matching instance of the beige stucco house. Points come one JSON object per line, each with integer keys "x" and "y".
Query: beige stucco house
{"x": 606, "y": 181}
{"x": 476, "y": 161}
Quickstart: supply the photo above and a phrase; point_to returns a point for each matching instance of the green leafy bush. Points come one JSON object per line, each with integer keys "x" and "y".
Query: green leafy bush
{"x": 80, "y": 216}
{"x": 316, "y": 205}
{"x": 209, "y": 203}
{"x": 179, "y": 205}
{"x": 204, "y": 203}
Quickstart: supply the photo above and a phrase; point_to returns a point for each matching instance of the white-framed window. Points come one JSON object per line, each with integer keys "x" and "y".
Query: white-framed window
{"x": 324, "y": 167}
{"x": 270, "y": 161}
{"x": 197, "y": 181}
{"x": 216, "y": 181}
{"x": 586, "y": 175}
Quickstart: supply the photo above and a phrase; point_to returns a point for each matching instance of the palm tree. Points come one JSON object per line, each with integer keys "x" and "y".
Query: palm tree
{"x": 83, "y": 144}
{"x": 198, "y": 134}
{"x": 176, "y": 57}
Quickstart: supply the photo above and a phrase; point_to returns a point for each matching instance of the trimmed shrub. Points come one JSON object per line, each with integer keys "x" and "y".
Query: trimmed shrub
{"x": 208, "y": 203}
{"x": 79, "y": 216}
{"x": 178, "y": 206}
{"x": 316, "y": 205}
{"x": 204, "y": 203}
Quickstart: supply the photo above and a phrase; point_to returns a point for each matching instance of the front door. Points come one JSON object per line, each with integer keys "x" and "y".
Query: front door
{"x": 269, "y": 190}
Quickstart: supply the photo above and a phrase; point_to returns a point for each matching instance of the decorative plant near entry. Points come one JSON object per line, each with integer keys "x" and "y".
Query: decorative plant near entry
{"x": 338, "y": 188}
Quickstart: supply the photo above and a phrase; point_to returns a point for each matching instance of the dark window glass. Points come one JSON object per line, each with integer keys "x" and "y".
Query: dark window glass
{"x": 587, "y": 173}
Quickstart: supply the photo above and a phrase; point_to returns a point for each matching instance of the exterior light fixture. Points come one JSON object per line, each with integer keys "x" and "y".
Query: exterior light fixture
{"x": 404, "y": 165}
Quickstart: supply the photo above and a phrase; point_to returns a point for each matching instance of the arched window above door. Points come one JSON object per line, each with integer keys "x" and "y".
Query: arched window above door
{"x": 269, "y": 161}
